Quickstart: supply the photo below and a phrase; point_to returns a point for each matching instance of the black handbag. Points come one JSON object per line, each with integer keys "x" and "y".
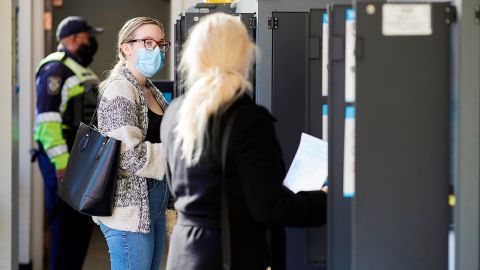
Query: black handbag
{"x": 88, "y": 184}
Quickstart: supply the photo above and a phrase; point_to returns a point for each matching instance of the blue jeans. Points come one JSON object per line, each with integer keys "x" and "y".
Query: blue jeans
{"x": 140, "y": 251}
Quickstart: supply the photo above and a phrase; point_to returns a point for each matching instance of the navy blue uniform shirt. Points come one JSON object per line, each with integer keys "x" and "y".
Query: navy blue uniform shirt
{"x": 49, "y": 82}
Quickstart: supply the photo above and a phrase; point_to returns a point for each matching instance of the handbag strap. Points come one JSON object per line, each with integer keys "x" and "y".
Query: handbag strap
{"x": 96, "y": 107}
{"x": 225, "y": 223}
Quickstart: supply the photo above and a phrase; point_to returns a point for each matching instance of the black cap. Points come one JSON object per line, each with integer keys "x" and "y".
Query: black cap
{"x": 74, "y": 25}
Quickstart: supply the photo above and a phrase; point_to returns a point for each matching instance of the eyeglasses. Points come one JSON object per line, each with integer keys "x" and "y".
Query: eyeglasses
{"x": 150, "y": 44}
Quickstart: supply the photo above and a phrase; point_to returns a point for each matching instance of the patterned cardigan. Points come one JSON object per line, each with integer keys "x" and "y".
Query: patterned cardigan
{"x": 123, "y": 115}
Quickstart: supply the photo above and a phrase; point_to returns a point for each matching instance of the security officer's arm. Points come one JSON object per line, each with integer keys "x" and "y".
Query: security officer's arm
{"x": 48, "y": 120}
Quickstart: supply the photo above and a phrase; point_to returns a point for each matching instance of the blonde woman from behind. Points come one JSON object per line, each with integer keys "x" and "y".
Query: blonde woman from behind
{"x": 215, "y": 65}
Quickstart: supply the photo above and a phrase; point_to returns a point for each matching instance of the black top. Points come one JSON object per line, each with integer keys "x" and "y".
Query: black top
{"x": 255, "y": 171}
{"x": 154, "y": 122}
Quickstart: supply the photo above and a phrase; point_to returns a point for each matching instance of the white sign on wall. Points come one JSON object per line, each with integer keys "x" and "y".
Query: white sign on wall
{"x": 407, "y": 20}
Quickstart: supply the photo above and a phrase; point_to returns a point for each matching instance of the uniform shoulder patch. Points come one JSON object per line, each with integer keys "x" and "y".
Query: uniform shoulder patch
{"x": 53, "y": 84}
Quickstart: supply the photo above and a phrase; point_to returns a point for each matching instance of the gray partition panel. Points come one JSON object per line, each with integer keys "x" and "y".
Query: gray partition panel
{"x": 290, "y": 43}
{"x": 466, "y": 139}
{"x": 180, "y": 35}
{"x": 264, "y": 39}
{"x": 402, "y": 145}
{"x": 289, "y": 79}
{"x": 316, "y": 237}
{"x": 339, "y": 216}
{"x": 315, "y": 69}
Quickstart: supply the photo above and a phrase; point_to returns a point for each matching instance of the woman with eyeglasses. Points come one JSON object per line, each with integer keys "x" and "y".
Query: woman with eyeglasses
{"x": 131, "y": 110}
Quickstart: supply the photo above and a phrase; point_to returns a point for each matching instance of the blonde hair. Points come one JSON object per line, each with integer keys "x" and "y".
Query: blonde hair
{"x": 214, "y": 67}
{"x": 125, "y": 34}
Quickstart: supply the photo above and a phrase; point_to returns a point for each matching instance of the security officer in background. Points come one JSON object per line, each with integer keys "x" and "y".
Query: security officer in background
{"x": 65, "y": 97}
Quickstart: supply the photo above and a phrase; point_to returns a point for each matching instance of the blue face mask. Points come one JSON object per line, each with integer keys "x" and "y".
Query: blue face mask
{"x": 149, "y": 62}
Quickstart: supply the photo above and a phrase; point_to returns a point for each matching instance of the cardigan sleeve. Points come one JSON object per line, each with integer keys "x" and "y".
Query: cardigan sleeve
{"x": 259, "y": 163}
{"x": 118, "y": 117}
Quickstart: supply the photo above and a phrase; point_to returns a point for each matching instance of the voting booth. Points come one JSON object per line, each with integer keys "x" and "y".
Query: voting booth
{"x": 373, "y": 80}
{"x": 321, "y": 67}
{"x": 403, "y": 86}
{"x": 191, "y": 16}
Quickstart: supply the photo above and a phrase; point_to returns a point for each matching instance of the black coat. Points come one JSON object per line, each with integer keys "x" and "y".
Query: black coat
{"x": 260, "y": 206}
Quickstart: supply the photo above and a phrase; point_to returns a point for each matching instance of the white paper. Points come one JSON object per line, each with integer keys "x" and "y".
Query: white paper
{"x": 309, "y": 168}
{"x": 407, "y": 20}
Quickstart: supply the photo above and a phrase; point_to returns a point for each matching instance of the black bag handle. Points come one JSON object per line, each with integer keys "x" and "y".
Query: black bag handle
{"x": 96, "y": 108}
{"x": 225, "y": 223}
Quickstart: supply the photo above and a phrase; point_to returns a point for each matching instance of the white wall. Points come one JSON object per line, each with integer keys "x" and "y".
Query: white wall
{"x": 247, "y": 6}
{"x": 37, "y": 205}
{"x": 6, "y": 91}
{"x": 30, "y": 52}
{"x": 25, "y": 127}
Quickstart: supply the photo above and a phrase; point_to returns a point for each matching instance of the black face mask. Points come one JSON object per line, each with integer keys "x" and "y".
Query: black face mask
{"x": 86, "y": 51}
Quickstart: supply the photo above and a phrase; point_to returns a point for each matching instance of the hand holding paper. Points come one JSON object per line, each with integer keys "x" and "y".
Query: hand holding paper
{"x": 309, "y": 169}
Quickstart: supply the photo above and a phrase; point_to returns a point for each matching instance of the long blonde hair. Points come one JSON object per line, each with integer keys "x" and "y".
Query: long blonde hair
{"x": 125, "y": 34}
{"x": 215, "y": 65}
